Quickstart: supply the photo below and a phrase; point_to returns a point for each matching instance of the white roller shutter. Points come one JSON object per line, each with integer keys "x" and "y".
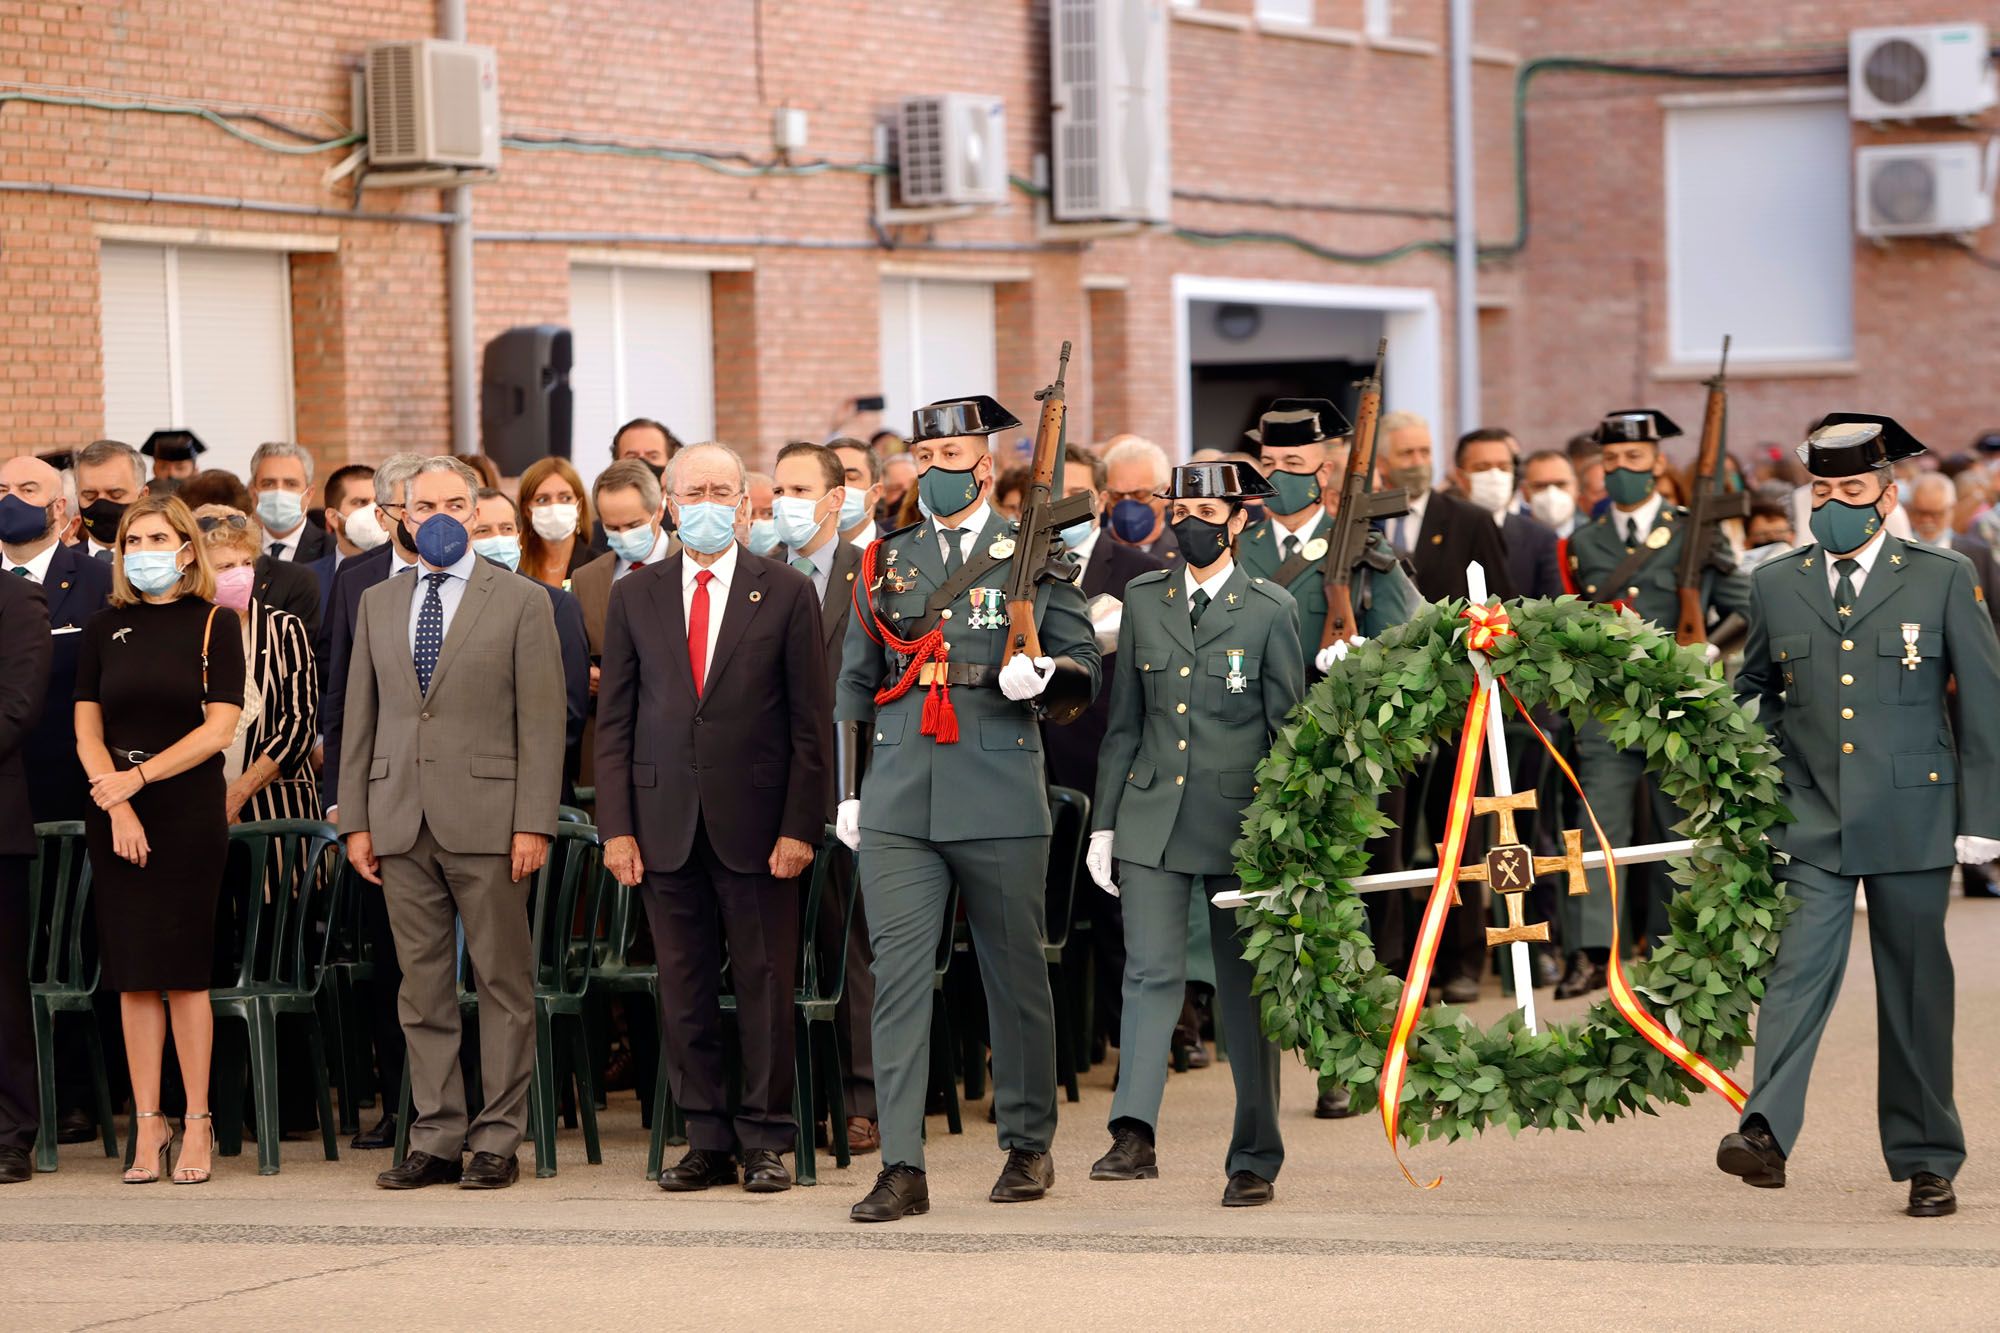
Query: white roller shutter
{"x": 644, "y": 347}
{"x": 937, "y": 342}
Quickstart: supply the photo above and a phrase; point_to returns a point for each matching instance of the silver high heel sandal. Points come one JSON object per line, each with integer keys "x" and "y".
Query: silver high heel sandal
{"x": 139, "y": 1175}
{"x": 192, "y": 1175}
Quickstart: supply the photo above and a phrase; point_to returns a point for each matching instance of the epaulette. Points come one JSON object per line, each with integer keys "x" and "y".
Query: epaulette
{"x": 1150, "y": 576}
{"x": 907, "y": 527}
{"x": 1272, "y": 590}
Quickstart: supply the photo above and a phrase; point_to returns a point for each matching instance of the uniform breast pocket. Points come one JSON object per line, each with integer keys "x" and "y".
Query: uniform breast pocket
{"x": 904, "y": 612}
{"x": 1901, "y": 679}
{"x": 1151, "y": 664}
{"x": 1234, "y": 693}
{"x": 1793, "y": 656}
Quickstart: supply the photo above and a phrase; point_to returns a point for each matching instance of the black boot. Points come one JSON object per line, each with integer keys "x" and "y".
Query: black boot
{"x": 1583, "y": 977}
{"x": 1131, "y": 1156}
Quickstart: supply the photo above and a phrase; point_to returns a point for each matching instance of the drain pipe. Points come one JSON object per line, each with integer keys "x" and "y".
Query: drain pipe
{"x": 1465, "y": 219}
{"x": 459, "y": 288}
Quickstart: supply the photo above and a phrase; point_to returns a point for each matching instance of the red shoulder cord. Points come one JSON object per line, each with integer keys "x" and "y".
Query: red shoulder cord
{"x": 1562, "y": 564}
{"x": 940, "y": 719}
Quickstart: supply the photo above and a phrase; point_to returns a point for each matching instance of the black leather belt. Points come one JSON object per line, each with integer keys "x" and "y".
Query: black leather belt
{"x": 133, "y": 757}
{"x": 972, "y": 675}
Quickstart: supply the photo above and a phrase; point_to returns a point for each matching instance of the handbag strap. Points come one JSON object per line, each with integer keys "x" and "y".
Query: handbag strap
{"x": 206, "y": 629}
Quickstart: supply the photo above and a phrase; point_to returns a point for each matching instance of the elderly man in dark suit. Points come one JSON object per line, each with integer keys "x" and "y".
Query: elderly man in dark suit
{"x": 24, "y": 671}
{"x": 714, "y": 730}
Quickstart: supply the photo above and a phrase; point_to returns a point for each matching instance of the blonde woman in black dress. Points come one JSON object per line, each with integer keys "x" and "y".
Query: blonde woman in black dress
{"x": 159, "y": 686}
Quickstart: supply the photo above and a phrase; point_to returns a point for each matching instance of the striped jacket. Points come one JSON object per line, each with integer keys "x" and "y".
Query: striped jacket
{"x": 282, "y": 670}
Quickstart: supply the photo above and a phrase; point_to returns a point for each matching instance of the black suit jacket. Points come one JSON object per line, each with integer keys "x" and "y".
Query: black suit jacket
{"x": 286, "y": 586}
{"x": 1532, "y": 560}
{"x": 335, "y": 645}
{"x": 77, "y": 587}
{"x": 747, "y": 759}
{"x": 1456, "y": 532}
{"x": 1071, "y": 751}
{"x": 312, "y": 541}
{"x": 1984, "y": 568}
{"x": 25, "y": 648}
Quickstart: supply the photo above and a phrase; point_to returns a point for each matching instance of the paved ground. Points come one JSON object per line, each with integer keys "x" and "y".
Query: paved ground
{"x": 1626, "y": 1226}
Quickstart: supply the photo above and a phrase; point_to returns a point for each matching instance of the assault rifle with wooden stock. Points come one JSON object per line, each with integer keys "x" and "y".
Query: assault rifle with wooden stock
{"x": 1707, "y": 507}
{"x": 1038, "y": 548}
{"x": 1360, "y": 506}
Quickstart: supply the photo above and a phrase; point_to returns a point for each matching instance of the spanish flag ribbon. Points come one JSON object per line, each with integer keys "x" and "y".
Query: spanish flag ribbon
{"x": 1488, "y": 623}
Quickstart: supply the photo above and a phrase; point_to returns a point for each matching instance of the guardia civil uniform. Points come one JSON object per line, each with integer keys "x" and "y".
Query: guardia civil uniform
{"x": 1616, "y": 780}
{"x": 972, "y": 811}
{"x": 1205, "y": 675}
{"x": 1849, "y": 660}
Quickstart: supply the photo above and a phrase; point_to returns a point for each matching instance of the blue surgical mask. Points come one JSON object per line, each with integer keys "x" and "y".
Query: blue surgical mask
{"x": 853, "y": 509}
{"x": 763, "y": 537}
{"x": 796, "y": 518}
{"x": 153, "y": 572}
{"x": 633, "y": 543}
{"x": 442, "y": 541}
{"x": 707, "y": 527}
{"x": 1132, "y": 521}
{"x": 1078, "y": 532}
{"x": 280, "y": 511}
{"x": 500, "y": 550}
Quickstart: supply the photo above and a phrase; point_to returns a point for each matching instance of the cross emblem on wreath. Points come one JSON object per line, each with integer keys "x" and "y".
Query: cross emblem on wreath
{"x": 1510, "y": 869}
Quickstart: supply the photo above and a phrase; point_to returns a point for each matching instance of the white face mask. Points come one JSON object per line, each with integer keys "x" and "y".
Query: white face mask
{"x": 1492, "y": 490}
{"x": 554, "y": 522}
{"x": 364, "y": 529}
{"x": 1553, "y": 505}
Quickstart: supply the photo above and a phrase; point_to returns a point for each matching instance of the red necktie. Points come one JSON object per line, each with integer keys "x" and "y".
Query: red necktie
{"x": 698, "y": 629}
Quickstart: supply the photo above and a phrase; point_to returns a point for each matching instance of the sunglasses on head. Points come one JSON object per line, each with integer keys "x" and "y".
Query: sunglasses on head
{"x": 210, "y": 523}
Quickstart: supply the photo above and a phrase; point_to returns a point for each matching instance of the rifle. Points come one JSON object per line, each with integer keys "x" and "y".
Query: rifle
{"x": 1707, "y": 507}
{"x": 1038, "y": 550}
{"x": 1360, "y": 505}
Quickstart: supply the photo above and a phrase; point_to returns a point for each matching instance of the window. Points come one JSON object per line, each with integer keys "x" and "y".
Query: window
{"x": 937, "y": 342}
{"x": 1297, "y": 12}
{"x": 1759, "y": 221}
{"x": 643, "y": 347}
{"x": 197, "y": 339}
{"x": 1377, "y": 17}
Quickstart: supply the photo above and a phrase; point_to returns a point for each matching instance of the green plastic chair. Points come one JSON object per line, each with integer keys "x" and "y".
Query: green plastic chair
{"x": 1069, "y": 811}
{"x": 569, "y": 814}
{"x": 285, "y": 878}
{"x": 62, "y": 974}
{"x": 350, "y": 961}
{"x": 615, "y": 972}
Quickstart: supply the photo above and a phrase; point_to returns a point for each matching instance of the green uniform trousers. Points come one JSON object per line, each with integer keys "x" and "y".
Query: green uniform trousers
{"x": 1913, "y": 1011}
{"x": 1614, "y": 780}
{"x": 1003, "y": 882}
{"x": 1155, "y": 903}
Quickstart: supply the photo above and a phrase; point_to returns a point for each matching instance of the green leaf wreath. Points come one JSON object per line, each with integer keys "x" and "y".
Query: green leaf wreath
{"x": 1367, "y": 725}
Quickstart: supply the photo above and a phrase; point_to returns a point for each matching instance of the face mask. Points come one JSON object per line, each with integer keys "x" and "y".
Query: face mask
{"x": 659, "y": 470}
{"x": 442, "y": 541}
{"x": 797, "y": 519}
{"x": 364, "y": 529}
{"x": 21, "y": 522}
{"x": 232, "y": 587}
{"x": 1295, "y": 491}
{"x": 1074, "y": 535}
{"x": 633, "y": 543}
{"x": 707, "y": 528}
{"x": 1202, "y": 543}
{"x": 101, "y": 519}
{"x": 1553, "y": 505}
{"x": 763, "y": 538}
{"x": 1841, "y": 527}
{"x": 1491, "y": 490}
{"x": 853, "y": 509}
{"x": 948, "y": 492}
{"x": 153, "y": 572}
{"x": 1414, "y": 481}
{"x": 1627, "y": 486}
{"x": 1904, "y": 490}
{"x": 1132, "y": 521}
{"x": 280, "y": 511}
{"x": 405, "y": 540}
{"x": 554, "y": 523}
{"x": 500, "y": 550}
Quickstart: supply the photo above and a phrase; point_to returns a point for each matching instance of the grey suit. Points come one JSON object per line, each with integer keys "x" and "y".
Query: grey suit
{"x": 442, "y": 781}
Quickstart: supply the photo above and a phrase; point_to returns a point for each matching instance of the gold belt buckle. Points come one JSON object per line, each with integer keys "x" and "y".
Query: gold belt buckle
{"x": 927, "y": 674}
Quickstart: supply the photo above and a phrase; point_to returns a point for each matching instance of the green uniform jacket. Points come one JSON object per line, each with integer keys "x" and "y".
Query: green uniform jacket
{"x": 1597, "y": 548}
{"x": 990, "y": 783}
{"x": 1182, "y": 745}
{"x": 1872, "y": 775}
{"x": 1390, "y": 597}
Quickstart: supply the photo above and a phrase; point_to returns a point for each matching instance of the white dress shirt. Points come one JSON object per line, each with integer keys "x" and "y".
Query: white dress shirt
{"x": 451, "y": 592}
{"x": 724, "y": 570}
{"x": 289, "y": 540}
{"x": 1305, "y": 533}
{"x": 37, "y": 565}
{"x": 868, "y": 533}
{"x": 1212, "y": 585}
{"x": 965, "y": 533}
{"x": 1081, "y": 552}
{"x": 1645, "y": 516}
{"x": 653, "y": 557}
{"x": 1866, "y": 555}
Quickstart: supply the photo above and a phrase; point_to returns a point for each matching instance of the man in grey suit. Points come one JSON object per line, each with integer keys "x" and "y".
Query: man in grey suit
{"x": 453, "y": 748}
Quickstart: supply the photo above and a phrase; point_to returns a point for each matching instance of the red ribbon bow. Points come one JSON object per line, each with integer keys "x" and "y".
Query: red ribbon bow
{"x": 1488, "y": 623}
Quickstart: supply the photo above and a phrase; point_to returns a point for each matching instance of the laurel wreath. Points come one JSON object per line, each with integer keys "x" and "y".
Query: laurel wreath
{"x": 1366, "y": 726}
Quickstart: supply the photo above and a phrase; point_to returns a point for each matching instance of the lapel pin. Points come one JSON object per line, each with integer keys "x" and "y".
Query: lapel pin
{"x": 850, "y": 576}
{"x": 756, "y": 596}
{"x": 1894, "y": 560}
{"x": 120, "y": 635}
{"x": 1001, "y": 548}
{"x": 1231, "y": 599}
{"x": 1658, "y": 537}
{"x": 1437, "y": 539}
{"x": 1314, "y": 549}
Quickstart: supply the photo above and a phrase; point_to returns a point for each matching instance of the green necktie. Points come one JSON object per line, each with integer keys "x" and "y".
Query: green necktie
{"x": 1196, "y": 605}
{"x": 804, "y": 565}
{"x": 954, "y": 551}
{"x": 1843, "y": 591}
{"x": 19, "y": 571}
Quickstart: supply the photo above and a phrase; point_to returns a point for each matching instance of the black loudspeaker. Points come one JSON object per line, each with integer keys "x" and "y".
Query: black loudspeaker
{"x": 525, "y": 407}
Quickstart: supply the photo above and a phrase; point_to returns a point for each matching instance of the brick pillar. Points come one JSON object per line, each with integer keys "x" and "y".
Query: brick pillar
{"x": 319, "y": 357}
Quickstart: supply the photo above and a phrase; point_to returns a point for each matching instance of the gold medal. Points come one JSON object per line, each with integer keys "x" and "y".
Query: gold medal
{"x": 1658, "y": 538}
{"x": 1315, "y": 549}
{"x": 1001, "y": 548}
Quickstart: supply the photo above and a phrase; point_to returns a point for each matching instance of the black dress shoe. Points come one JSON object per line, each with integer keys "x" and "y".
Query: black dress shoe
{"x": 764, "y": 1172}
{"x": 1027, "y": 1175}
{"x": 1978, "y": 881}
{"x": 900, "y": 1191}
{"x": 1334, "y": 1104}
{"x": 1131, "y": 1158}
{"x": 699, "y": 1170}
{"x": 490, "y": 1171}
{"x": 1752, "y": 1153}
{"x": 75, "y": 1126}
{"x": 15, "y": 1168}
{"x": 1582, "y": 978}
{"x": 1247, "y": 1191}
{"x": 382, "y": 1136}
{"x": 1931, "y": 1195}
{"x": 420, "y": 1169}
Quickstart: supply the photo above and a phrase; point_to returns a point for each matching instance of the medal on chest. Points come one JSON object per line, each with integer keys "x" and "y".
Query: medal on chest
{"x": 1910, "y": 658}
{"x": 988, "y": 609}
{"x": 1235, "y": 681}
{"x": 899, "y": 580}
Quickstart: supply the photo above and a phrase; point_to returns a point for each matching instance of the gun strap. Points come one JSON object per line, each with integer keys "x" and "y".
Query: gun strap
{"x": 948, "y": 592}
{"x": 1613, "y": 588}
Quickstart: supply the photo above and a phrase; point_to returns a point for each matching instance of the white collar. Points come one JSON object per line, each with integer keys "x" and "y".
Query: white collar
{"x": 1305, "y": 531}
{"x": 1213, "y": 584}
{"x": 461, "y": 570}
{"x": 1645, "y": 515}
{"x": 399, "y": 559}
{"x": 38, "y": 565}
{"x": 290, "y": 539}
{"x": 724, "y": 569}
{"x": 1866, "y": 555}
{"x": 864, "y": 536}
{"x": 975, "y": 522}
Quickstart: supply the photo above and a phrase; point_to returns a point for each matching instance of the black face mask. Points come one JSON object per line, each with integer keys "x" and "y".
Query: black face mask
{"x": 101, "y": 518}
{"x": 659, "y": 470}
{"x": 405, "y": 540}
{"x": 1202, "y": 542}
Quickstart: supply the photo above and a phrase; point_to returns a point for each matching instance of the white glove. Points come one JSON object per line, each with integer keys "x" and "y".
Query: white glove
{"x": 1098, "y": 860}
{"x": 1334, "y": 652}
{"x": 1711, "y": 652}
{"x": 847, "y": 824}
{"x": 1106, "y": 614}
{"x": 1977, "y": 851}
{"x": 1025, "y": 678}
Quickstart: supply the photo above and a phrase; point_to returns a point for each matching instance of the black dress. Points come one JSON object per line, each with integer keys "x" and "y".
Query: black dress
{"x": 142, "y": 665}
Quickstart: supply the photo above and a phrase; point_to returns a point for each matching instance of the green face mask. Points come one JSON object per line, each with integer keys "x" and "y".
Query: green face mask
{"x": 1841, "y": 527}
{"x": 1295, "y": 490}
{"x": 1627, "y": 486}
{"x": 946, "y": 492}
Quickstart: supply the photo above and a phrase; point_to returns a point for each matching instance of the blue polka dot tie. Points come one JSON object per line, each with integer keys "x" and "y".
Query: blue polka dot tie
{"x": 430, "y": 630}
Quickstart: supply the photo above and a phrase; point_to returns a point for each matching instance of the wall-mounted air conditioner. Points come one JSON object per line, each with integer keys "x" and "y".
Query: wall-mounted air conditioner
{"x": 1108, "y": 84}
{"x": 1911, "y": 72}
{"x": 1924, "y": 189}
{"x": 951, "y": 148}
{"x": 433, "y": 104}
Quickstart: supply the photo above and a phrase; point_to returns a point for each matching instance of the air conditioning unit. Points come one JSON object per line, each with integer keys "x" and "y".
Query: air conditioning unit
{"x": 433, "y": 104}
{"x": 1909, "y": 73}
{"x": 1108, "y": 83}
{"x": 951, "y": 148}
{"x": 1924, "y": 189}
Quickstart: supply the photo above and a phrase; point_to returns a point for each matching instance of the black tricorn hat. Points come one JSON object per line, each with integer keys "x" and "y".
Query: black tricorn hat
{"x": 62, "y": 460}
{"x": 1852, "y": 444}
{"x": 173, "y": 446}
{"x": 1989, "y": 443}
{"x": 1289, "y": 422}
{"x": 1216, "y": 481}
{"x": 977, "y": 415}
{"x": 1636, "y": 425}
